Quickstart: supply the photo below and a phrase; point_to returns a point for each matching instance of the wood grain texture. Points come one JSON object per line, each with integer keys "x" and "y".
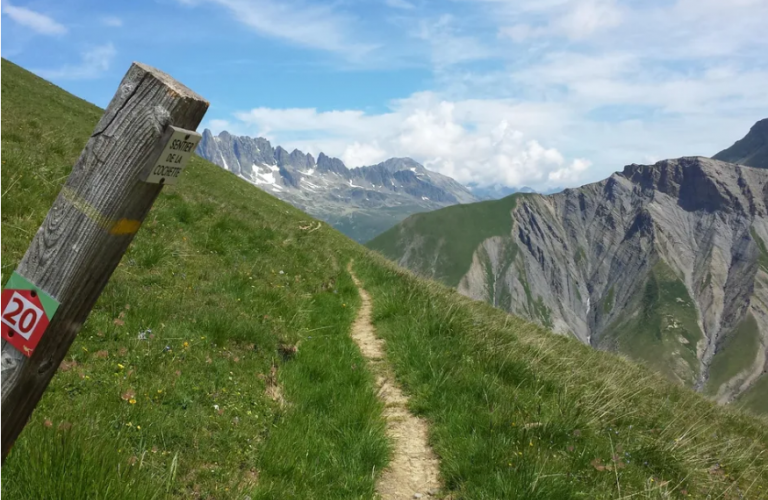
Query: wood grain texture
{"x": 73, "y": 254}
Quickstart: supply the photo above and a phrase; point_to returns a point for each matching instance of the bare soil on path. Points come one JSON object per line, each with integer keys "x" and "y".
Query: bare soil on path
{"x": 413, "y": 471}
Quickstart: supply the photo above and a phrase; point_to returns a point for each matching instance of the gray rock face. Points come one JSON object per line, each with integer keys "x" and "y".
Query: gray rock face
{"x": 691, "y": 231}
{"x": 361, "y": 202}
{"x": 666, "y": 263}
{"x": 752, "y": 150}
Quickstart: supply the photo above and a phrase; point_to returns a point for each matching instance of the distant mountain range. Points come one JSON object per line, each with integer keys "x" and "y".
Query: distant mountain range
{"x": 666, "y": 263}
{"x": 497, "y": 191}
{"x": 360, "y": 202}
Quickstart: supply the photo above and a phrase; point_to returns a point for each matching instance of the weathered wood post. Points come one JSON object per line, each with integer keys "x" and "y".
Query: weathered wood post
{"x": 89, "y": 228}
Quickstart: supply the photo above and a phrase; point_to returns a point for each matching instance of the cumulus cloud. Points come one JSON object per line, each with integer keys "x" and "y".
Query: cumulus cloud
{"x": 357, "y": 154}
{"x": 571, "y": 173}
{"x": 471, "y": 141}
{"x": 94, "y": 62}
{"x": 40, "y": 23}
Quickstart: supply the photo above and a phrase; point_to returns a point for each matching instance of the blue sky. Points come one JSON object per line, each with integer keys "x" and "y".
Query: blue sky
{"x": 541, "y": 93}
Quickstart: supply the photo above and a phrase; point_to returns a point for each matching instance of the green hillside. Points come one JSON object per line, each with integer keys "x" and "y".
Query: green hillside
{"x": 223, "y": 275}
{"x": 463, "y": 226}
{"x": 248, "y": 383}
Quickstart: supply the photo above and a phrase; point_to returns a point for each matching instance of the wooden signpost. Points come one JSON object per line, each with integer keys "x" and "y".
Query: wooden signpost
{"x": 143, "y": 141}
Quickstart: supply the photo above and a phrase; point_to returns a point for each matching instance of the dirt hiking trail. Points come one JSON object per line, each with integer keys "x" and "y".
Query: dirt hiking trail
{"x": 413, "y": 471}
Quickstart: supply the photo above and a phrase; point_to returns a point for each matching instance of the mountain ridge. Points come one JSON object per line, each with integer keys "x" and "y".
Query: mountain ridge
{"x": 751, "y": 150}
{"x": 656, "y": 261}
{"x": 361, "y": 201}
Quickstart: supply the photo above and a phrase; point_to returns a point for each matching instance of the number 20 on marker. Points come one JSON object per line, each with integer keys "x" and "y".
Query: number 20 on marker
{"x": 24, "y": 317}
{"x": 21, "y": 315}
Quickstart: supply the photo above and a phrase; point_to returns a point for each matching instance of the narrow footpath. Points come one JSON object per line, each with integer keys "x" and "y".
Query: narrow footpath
{"x": 413, "y": 470}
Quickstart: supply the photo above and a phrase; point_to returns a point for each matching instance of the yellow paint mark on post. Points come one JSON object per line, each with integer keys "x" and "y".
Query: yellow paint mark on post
{"x": 114, "y": 227}
{"x": 125, "y": 226}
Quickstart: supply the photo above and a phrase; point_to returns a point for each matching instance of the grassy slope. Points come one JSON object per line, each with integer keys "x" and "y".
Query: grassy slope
{"x": 737, "y": 353}
{"x": 222, "y": 274}
{"x": 464, "y": 227}
{"x": 516, "y": 412}
{"x": 754, "y": 398}
{"x": 661, "y": 328}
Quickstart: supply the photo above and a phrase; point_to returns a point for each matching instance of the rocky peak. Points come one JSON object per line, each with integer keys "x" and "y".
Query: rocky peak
{"x": 399, "y": 164}
{"x": 752, "y": 150}
{"x": 327, "y": 164}
{"x": 295, "y": 160}
{"x": 700, "y": 183}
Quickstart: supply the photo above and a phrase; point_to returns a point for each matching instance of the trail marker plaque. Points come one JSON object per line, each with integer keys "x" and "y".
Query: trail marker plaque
{"x": 27, "y": 311}
{"x": 172, "y": 154}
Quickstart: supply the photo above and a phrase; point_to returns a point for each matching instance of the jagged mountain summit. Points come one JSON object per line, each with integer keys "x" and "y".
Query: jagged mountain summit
{"x": 752, "y": 150}
{"x": 666, "y": 263}
{"x": 360, "y": 202}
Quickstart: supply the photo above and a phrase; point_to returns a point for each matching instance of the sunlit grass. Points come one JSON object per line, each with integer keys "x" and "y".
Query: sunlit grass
{"x": 166, "y": 386}
{"x": 518, "y": 412}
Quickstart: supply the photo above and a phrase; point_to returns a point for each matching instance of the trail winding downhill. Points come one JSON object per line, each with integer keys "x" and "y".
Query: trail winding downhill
{"x": 413, "y": 471}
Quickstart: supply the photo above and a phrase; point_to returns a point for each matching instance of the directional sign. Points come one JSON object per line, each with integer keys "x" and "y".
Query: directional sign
{"x": 26, "y": 313}
{"x": 172, "y": 154}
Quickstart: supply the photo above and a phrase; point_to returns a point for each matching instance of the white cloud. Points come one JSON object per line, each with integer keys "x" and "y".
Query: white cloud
{"x": 588, "y": 17}
{"x": 218, "y": 124}
{"x": 35, "y": 21}
{"x": 299, "y": 22}
{"x": 625, "y": 79}
{"x": 572, "y": 19}
{"x": 112, "y": 21}
{"x": 357, "y": 154}
{"x": 559, "y": 92}
{"x": 571, "y": 173}
{"x": 448, "y": 45}
{"x": 93, "y": 63}
{"x": 471, "y": 141}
